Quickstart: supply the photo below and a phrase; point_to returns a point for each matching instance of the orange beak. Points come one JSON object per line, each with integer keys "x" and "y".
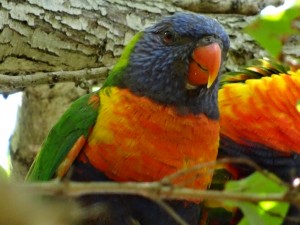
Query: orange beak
{"x": 205, "y": 65}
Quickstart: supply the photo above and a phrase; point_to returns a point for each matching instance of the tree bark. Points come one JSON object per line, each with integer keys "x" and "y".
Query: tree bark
{"x": 41, "y": 108}
{"x": 39, "y": 38}
{"x": 246, "y": 7}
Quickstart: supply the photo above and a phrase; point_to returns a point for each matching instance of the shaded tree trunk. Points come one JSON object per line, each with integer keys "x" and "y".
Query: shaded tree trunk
{"x": 41, "y": 108}
{"x": 71, "y": 36}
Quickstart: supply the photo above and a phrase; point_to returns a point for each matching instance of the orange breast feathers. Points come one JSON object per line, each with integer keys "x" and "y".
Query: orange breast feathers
{"x": 263, "y": 111}
{"x": 136, "y": 139}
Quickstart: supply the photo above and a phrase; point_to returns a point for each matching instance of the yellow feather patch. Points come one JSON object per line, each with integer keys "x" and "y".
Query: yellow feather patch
{"x": 101, "y": 131}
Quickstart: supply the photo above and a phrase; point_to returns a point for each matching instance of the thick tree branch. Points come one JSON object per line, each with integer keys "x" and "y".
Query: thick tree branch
{"x": 39, "y": 37}
{"x": 79, "y": 76}
{"x": 246, "y": 7}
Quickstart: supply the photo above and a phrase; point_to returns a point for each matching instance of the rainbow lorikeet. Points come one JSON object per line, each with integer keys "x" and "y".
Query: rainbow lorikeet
{"x": 259, "y": 118}
{"x": 155, "y": 114}
{"x": 260, "y": 121}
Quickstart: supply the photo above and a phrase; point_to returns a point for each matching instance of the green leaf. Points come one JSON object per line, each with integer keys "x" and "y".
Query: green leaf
{"x": 271, "y": 31}
{"x": 298, "y": 106}
{"x": 3, "y": 174}
{"x": 264, "y": 212}
{"x": 252, "y": 215}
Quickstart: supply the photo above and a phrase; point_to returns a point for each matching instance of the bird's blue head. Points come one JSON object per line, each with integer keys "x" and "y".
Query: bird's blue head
{"x": 176, "y": 62}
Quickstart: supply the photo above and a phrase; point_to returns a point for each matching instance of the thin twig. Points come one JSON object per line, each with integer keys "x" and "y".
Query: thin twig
{"x": 213, "y": 164}
{"x": 163, "y": 189}
{"x": 152, "y": 190}
{"x": 171, "y": 212}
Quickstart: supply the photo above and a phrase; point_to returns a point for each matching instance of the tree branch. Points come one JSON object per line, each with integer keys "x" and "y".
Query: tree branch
{"x": 211, "y": 166}
{"x": 152, "y": 190}
{"x": 9, "y": 83}
{"x": 163, "y": 189}
{"x": 37, "y": 37}
{"x": 246, "y": 7}
{"x": 160, "y": 190}
{"x": 171, "y": 212}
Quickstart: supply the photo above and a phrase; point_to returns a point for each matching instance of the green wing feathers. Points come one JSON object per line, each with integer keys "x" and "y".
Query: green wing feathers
{"x": 257, "y": 69}
{"x": 76, "y": 123}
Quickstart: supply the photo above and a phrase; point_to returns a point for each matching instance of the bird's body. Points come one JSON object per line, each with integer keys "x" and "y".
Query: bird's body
{"x": 155, "y": 115}
{"x": 260, "y": 121}
{"x": 160, "y": 132}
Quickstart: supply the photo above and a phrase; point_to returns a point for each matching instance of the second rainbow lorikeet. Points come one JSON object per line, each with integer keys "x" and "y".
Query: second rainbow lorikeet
{"x": 260, "y": 121}
{"x": 259, "y": 117}
{"x": 155, "y": 114}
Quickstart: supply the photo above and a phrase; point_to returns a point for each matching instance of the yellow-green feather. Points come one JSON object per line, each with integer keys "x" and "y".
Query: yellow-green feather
{"x": 258, "y": 69}
{"x": 115, "y": 74}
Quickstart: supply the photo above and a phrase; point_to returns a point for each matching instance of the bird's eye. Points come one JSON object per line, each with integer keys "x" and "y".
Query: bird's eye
{"x": 208, "y": 39}
{"x": 168, "y": 37}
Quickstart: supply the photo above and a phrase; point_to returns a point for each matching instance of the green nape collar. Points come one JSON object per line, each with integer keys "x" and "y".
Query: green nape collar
{"x": 115, "y": 76}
